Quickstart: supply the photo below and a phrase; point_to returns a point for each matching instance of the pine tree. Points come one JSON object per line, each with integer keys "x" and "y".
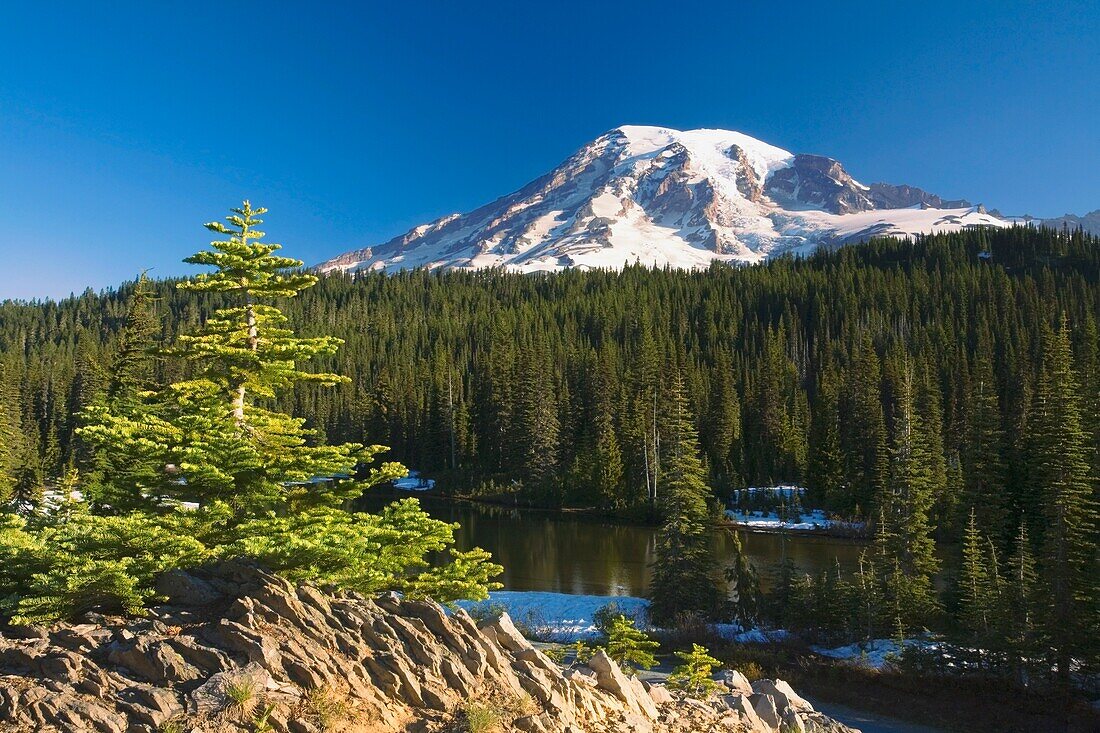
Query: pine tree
{"x": 538, "y": 427}
{"x": 745, "y": 596}
{"x": 724, "y": 425}
{"x": 825, "y": 472}
{"x": 975, "y": 604}
{"x": 1021, "y": 603}
{"x": 630, "y": 646}
{"x": 608, "y": 465}
{"x": 1060, "y": 469}
{"x": 863, "y": 428}
{"x": 211, "y": 438}
{"x": 983, "y": 468}
{"x": 215, "y": 441}
{"x": 908, "y": 502}
{"x": 695, "y": 675}
{"x": 132, "y": 368}
{"x": 11, "y": 435}
{"x": 684, "y": 580}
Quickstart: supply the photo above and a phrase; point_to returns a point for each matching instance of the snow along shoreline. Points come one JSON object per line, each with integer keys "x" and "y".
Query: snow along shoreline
{"x": 564, "y": 618}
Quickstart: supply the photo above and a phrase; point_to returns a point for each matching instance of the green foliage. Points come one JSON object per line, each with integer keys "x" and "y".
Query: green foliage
{"x": 203, "y": 469}
{"x": 449, "y": 369}
{"x": 694, "y": 676}
{"x": 482, "y": 717}
{"x": 1060, "y": 467}
{"x": 685, "y": 574}
{"x": 605, "y": 616}
{"x": 582, "y": 651}
{"x": 241, "y": 695}
{"x": 109, "y": 563}
{"x": 630, "y": 646}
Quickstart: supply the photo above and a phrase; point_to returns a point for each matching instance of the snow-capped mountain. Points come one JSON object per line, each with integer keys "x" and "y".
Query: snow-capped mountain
{"x": 667, "y": 197}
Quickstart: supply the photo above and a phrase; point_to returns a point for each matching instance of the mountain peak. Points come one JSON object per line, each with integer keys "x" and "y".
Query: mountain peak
{"x": 661, "y": 196}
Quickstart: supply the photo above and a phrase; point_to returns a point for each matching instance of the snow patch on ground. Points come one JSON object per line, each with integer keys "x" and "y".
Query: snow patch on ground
{"x": 413, "y": 482}
{"x": 808, "y": 521}
{"x": 558, "y": 617}
{"x": 874, "y": 654}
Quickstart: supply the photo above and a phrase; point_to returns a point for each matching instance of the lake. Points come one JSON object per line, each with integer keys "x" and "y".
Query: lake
{"x": 580, "y": 554}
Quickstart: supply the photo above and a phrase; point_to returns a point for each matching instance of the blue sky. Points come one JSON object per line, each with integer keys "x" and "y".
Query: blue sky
{"x": 124, "y": 126}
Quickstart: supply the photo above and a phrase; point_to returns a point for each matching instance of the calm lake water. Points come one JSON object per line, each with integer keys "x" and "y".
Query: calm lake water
{"x": 565, "y": 553}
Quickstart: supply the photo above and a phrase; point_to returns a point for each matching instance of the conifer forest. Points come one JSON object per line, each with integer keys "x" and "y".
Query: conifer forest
{"x": 943, "y": 391}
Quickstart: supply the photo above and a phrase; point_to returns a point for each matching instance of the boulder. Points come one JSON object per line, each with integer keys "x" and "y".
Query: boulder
{"x": 505, "y": 633}
{"x": 785, "y": 697}
{"x": 736, "y": 682}
{"x": 764, "y": 706}
{"x": 185, "y": 589}
{"x": 660, "y": 695}
{"x": 792, "y": 722}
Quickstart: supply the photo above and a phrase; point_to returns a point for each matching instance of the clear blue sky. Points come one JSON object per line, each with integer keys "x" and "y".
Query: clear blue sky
{"x": 124, "y": 126}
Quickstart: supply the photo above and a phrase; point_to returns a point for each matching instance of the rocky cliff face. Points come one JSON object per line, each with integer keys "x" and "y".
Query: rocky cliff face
{"x": 239, "y": 649}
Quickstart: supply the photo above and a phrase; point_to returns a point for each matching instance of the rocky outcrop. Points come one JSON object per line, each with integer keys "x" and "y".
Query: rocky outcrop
{"x": 818, "y": 182}
{"x": 239, "y": 649}
{"x": 887, "y": 196}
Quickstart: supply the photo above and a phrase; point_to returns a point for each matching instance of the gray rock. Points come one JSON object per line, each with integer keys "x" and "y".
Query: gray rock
{"x": 505, "y": 633}
{"x": 785, "y": 697}
{"x": 660, "y": 695}
{"x": 185, "y": 589}
{"x": 736, "y": 682}
{"x": 764, "y": 705}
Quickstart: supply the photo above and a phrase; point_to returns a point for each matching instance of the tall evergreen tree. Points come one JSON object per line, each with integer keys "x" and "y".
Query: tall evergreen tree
{"x": 983, "y": 466}
{"x": 863, "y": 428}
{"x": 1061, "y": 473}
{"x": 684, "y": 580}
{"x": 908, "y": 501}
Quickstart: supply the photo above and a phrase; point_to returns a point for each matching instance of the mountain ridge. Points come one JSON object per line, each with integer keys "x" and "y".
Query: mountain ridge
{"x": 676, "y": 198}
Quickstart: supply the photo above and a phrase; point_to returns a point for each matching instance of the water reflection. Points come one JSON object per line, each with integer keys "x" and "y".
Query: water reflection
{"x": 548, "y": 551}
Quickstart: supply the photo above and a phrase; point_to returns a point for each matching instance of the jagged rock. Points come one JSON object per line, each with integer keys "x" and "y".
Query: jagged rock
{"x": 660, "y": 695}
{"x": 785, "y": 697}
{"x": 504, "y": 632}
{"x": 185, "y": 589}
{"x": 746, "y": 713}
{"x": 736, "y": 682}
{"x": 391, "y": 664}
{"x": 820, "y": 723}
{"x": 764, "y": 705}
{"x": 792, "y": 722}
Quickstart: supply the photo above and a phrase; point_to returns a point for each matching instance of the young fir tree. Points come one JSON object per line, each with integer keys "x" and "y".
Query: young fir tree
{"x": 684, "y": 581}
{"x": 869, "y": 604}
{"x": 1059, "y": 467}
{"x": 1020, "y": 603}
{"x": 630, "y": 646}
{"x": 975, "y": 602}
{"x": 695, "y": 675}
{"x": 745, "y": 596}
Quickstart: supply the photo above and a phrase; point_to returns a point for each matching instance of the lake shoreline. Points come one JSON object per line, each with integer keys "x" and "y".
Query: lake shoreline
{"x": 626, "y": 520}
